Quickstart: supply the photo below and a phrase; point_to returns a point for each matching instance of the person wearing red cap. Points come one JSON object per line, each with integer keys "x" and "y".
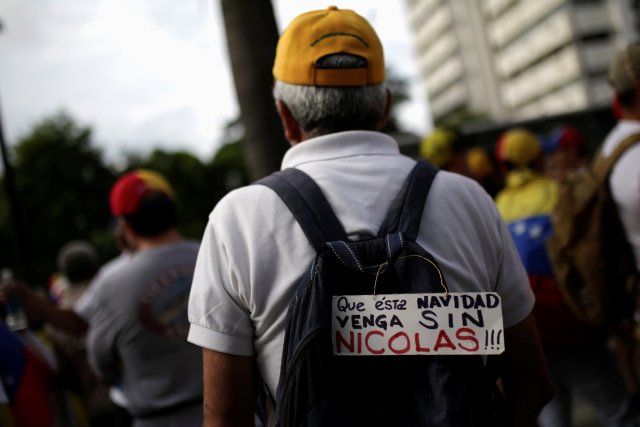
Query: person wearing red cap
{"x": 134, "y": 311}
{"x": 137, "y": 336}
{"x": 332, "y": 101}
{"x": 564, "y": 151}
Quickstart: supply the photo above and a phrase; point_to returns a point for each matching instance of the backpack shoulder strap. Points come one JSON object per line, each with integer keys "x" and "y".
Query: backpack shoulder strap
{"x": 308, "y": 205}
{"x": 602, "y": 165}
{"x": 405, "y": 212}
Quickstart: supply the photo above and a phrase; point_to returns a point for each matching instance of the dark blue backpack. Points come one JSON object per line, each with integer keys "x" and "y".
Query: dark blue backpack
{"x": 318, "y": 388}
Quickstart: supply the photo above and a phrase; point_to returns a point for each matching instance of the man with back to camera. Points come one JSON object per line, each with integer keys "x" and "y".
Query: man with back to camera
{"x": 331, "y": 98}
{"x": 138, "y": 330}
{"x": 624, "y": 78}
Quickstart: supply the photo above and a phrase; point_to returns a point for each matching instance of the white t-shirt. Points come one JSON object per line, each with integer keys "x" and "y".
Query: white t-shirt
{"x": 253, "y": 252}
{"x": 138, "y": 327}
{"x": 85, "y": 308}
{"x": 625, "y": 181}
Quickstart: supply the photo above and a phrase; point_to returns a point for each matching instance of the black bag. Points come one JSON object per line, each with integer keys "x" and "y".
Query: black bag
{"x": 317, "y": 388}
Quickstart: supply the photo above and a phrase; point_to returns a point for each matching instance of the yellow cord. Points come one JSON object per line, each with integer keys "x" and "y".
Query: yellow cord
{"x": 446, "y": 290}
{"x": 376, "y": 281}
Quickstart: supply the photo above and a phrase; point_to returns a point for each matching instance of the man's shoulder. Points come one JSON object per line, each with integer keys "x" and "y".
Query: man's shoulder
{"x": 99, "y": 289}
{"x": 456, "y": 179}
{"x": 622, "y": 130}
{"x": 459, "y": 188}
{"x": 114, "y": 264}
{"x": 626, "y": 166}
{"x": 245, "y": 201}
{"x": 186, "y": 246}
{"x": 158, "y": 259}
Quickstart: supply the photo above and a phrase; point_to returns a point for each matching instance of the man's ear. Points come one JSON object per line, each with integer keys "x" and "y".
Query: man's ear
{"x": 292, "y": 131}
{"x": 387, "y": 111}
{"x": 129, "y": 235}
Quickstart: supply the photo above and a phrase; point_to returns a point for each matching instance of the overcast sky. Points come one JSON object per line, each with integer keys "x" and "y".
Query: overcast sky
{"x": 151, "y": 73}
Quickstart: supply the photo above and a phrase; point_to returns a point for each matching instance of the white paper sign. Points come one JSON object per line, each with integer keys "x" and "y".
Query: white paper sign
{"x": 463, "y": 323}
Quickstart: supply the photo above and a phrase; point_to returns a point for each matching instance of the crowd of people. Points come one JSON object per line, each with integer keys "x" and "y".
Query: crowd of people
{"x": 115, "y": 335}
{"x": 175, "y": 333}
{"x": 524, "y": 173}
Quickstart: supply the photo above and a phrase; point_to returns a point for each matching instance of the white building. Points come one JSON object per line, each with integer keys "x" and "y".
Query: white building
{"x": 516, "y": 59}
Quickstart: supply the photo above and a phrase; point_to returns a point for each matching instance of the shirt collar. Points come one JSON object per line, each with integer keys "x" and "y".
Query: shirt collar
{"x": 632, "y": 125}
{"x": 623, "y": 129}
{"x": 340, "y": 145}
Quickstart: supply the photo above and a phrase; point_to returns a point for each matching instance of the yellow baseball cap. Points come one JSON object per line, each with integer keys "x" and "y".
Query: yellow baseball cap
{"x": 319, "y": 33}
{"x": 479, "y": 163}
{"x": 518, "y": 146}
{"x": 437, "y": 147}
{"x": 127, "y": 193}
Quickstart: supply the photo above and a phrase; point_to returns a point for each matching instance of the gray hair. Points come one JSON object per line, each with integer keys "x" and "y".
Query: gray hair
{"x": 322, "y": 110}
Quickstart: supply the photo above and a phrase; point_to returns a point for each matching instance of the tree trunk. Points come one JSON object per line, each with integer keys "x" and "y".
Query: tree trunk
{"x": 252, "y": 35}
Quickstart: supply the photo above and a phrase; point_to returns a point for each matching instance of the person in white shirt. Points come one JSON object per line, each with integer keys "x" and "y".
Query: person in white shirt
{"x": 332, "y": 101}
{"x": 624, "y": 181}
{"x": 624, "y": 77}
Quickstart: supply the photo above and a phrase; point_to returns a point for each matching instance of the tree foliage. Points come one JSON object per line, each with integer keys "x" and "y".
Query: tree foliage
{"x": 459, "y": 117}
{"x": 194, "y": 182}
{"x": 62, "y": 184}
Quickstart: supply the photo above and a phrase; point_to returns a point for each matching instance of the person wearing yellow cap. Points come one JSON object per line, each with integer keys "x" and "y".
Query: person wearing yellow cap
{"x": 572, "y": 346}
{"x": 480, "y": 166}
{"x": 330, "y": 94}
{"x": 526, "y": 191}
{"x": 442, "y": 148}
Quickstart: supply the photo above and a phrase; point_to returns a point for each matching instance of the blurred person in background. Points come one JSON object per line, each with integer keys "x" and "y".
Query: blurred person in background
{"x": 28, "y": 378}
{"x": 579, "y": 360}
{"x": 480, "y": 165}
{"x": 75, "y": 320}
{"x": 565, "y": 153}
{"x": 443, "y": 148}
{"x": 77, "y": 265}
{"x": 624, "y": 78}
{"x": 28, "y": 368}
{"x": 138, "y": 331}
{"x": 84, "y": 309}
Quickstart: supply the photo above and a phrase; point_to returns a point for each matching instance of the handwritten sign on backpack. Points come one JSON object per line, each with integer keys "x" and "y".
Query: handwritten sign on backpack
{"x": 417, "y": 324}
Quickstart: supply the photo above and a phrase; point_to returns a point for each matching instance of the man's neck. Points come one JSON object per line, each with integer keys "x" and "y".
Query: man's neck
{"x": 167, "y": 238}
{"x": 632, "y": 112}
{"x": 631, "y": 115}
